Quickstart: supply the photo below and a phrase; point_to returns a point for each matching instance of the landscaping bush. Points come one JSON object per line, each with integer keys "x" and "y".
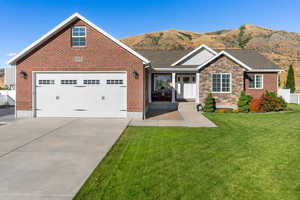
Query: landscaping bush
{"x": 235, "y": 111}
{"x": 256, "y": 105}
{"x": 271, "y": 102}
{"x": 244, "y": 101}
{"x": 221, "y": 110}
{"x": 209, "y": 104}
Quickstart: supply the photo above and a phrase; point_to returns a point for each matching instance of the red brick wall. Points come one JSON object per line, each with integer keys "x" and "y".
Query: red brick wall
{"x": 100, "y": 54}
{"x": 270, "y": 84}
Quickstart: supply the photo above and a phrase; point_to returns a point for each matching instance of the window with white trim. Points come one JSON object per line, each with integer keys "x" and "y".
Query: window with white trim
{"x": 221, "y": 82}
{"x": 68, "y": 82}
{"x": 255, "y": 81}
{"x": 78, "y": 36}
{"x": 91, "y": 82}
{"x": 46, "y": 82}
{"x": 114, "y": 82}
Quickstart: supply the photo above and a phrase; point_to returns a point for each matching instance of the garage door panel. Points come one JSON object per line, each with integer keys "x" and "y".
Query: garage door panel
{"x": 91, "y": 96}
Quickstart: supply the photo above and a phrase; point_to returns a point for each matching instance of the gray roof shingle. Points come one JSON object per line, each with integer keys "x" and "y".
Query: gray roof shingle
{"x": 251, "y": 58}
{"x": 165, "y": 58}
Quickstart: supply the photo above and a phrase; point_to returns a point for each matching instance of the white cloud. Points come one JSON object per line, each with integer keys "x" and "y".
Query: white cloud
{"x": 11, "y": 54}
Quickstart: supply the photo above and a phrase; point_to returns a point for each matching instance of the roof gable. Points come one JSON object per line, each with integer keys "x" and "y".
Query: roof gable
{"x": 61, "y": 26}
{"x": 188, "y": 57}
{"x": 224, "y": 53}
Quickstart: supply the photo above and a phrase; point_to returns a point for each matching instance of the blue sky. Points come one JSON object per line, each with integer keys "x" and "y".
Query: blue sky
{"x": 23, "y": 22}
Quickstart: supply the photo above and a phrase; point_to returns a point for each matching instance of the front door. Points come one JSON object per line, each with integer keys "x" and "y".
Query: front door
{"x": 186, "y": 86}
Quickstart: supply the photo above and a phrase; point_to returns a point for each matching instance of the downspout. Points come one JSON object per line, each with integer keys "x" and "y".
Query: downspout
{"x": 144, "y": 88}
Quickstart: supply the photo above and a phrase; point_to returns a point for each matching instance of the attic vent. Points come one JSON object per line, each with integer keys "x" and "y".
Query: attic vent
{"x": 78, "y": 59}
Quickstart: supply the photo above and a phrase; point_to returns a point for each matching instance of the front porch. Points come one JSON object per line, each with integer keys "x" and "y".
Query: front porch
{"x": 172, "y": 87}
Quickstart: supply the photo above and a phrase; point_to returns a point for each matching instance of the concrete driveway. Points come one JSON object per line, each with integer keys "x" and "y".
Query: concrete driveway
{"x": 50, "y": 158}
{"x": 7, "y": 114}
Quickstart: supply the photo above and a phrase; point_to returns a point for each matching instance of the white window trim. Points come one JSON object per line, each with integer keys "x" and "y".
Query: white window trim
{"x": 230, "y": 88}
{"x": 262, "y": 82}
{"x": 72, "y": 36}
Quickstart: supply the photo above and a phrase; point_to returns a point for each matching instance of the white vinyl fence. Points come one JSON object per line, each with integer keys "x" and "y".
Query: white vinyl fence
{"x": 7, "y": 97}
{"x": 288, "y": 96}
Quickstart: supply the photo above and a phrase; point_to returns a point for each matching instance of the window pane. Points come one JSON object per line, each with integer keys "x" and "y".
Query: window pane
{"x": 225, "y": 83}
{"x": 186, "y": 79}
{"x": 78, "y": 36}
{"x": 251, "y": 81}
{"x": 78, "y": 31}
{"x": 258, "y": 81}
{"x": 216, "y": 83}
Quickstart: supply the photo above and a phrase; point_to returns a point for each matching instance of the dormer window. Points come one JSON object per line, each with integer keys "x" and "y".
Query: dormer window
{"x": 78, "y": 36}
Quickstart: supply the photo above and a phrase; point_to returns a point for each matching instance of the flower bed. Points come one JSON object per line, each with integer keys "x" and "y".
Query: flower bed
{"x": 268, "y": 102}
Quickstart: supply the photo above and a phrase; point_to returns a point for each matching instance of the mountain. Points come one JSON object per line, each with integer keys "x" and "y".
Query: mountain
{"x": 282, "y": 47}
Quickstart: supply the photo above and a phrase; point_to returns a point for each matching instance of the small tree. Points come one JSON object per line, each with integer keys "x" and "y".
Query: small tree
{"x": 209, "y": 103}
{"x": 243, "y": 39}
{"x": 243, "y": 102}
{"x": 290, "y": 80}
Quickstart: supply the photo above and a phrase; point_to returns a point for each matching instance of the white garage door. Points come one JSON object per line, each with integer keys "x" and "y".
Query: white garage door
{"x": 89, "y": 94}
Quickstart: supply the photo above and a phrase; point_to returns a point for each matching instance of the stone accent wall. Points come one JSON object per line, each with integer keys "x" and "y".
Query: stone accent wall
{"x": 1, "y": 81}
{"x": 222, "y": 65}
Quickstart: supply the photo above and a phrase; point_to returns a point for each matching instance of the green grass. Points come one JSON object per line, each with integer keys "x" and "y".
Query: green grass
{"x": 249, "y": 156}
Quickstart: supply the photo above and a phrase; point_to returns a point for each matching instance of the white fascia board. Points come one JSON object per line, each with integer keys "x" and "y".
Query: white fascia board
{"x": 227, "y": 55}
{"x": 64, "y": 24}
{"x": 267, "y": 70}
{"x": 192, "y": 52}
{"x": 41, "y": 39}
{"x": 176, "y": 69}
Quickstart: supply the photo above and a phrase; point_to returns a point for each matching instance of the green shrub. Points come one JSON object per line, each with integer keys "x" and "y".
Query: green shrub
{"x": 290, "y": 80}
{"x": 244, "y": 101}
{"x": 271, "y": 102}
{"x": 209, "y": 104}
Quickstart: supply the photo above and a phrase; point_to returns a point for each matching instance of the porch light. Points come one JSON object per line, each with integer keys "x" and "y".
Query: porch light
{"x": 135, "y": 74}
{"x": 23, "y": 74}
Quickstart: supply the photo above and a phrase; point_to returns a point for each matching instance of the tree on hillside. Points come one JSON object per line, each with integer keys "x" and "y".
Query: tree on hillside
{"x": 243, "y": 39}
{"x": 290, "y": 80}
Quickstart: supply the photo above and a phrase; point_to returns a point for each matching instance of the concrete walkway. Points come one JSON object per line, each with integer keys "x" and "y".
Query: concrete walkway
{"x": 7, "y": 114}
{"x": 191, "y": 118}
{"x": 50, "y": 158}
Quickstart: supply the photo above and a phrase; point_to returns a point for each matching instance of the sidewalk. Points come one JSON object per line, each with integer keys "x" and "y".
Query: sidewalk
{"x": 191, "y": 118}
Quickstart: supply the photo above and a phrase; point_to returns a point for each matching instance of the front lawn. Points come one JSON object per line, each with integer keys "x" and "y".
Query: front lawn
{"x": 248, "y": 156}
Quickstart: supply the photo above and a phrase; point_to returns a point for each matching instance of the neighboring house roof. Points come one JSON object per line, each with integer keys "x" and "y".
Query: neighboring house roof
{"x": 64, "y": 24}
{"x": 251, "y": 58}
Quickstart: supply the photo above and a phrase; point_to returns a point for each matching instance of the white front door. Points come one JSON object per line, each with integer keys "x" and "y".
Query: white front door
{"x": 186, "y": 87}
{"x": 84, "y": 94}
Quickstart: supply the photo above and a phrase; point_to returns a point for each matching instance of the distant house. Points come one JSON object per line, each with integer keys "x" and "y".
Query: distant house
{"x": 1, "y": 78}
{"x": 9, "y": 77}
{"x": 79, "y": 70}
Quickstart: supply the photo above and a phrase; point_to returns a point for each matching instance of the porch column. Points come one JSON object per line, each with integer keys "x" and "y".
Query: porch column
{"x": 197, "y": 87}
{"x": 149, "y": 87}
{"x": 173, "y": 87}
